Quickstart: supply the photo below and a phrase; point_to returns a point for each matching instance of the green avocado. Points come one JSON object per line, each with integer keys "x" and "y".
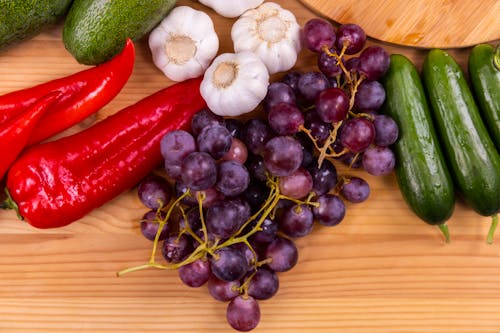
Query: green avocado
{"x": 96, "y": 30}
{"x": 23, "y": 19}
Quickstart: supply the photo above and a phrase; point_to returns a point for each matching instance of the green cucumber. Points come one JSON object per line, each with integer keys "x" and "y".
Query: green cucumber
{"x": 485, "y": 81}
{"x": 95, "y": 30}
{"x": 421, "y": 169}
{"x": 23, "y": 19}
{"x": 473, "y": 160}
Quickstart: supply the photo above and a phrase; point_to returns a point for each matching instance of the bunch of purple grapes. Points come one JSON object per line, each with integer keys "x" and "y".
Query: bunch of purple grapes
{"x": 336, "y": 106}
{"x": 236, "y": 196}
{"x": 238, "y": 193}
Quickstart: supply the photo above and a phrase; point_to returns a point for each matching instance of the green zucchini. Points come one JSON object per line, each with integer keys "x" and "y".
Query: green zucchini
{"x": 421, "y": 170}
{"x": 485, "y": 82}
{"x": 474, "y": 162}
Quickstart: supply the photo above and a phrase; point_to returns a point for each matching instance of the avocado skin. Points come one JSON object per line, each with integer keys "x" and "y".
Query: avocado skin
{"x": 95, "y": 31}
{"x": 24, "y": 19}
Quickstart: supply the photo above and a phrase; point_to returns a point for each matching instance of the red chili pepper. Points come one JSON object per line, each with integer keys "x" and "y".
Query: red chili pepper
{"x": 83, "y": 93}
{"x": 15, "y": 133}
{"x": 58, "y": 182}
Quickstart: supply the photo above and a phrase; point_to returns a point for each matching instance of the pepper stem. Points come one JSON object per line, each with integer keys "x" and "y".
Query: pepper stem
{"x": 9, "y": 203}
{"x": 491, "y": 232}
{"x": 446, "y": 232}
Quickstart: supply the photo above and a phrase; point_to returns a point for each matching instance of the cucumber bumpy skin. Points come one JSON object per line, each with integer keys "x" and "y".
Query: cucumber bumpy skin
{"x": 421, "y": 170}
{"x": 485, "y": 81}
{"x": 95, "y": 31}
{"x": 473, "y": 159}
{"x": 23, "y": 19}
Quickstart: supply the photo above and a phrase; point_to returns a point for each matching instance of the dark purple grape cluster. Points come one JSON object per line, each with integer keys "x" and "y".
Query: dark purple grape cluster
{"x": 238, "y": 193}
{"x": 235, "y": 197}
{"x": 338, "y": 103}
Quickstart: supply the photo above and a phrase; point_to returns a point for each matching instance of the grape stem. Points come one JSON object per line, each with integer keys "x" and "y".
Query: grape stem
{"x": 491, "y": 232}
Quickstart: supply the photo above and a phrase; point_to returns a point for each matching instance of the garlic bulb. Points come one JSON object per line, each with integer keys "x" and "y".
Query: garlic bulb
{"x": 184, "y": 43}
{"x": 235, "y": 83}
{"x": 232, "y": 8}
{"x": 272, "y": 33}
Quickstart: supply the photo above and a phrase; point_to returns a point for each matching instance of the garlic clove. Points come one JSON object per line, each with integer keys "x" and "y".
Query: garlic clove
{"x": 184, "y": 43}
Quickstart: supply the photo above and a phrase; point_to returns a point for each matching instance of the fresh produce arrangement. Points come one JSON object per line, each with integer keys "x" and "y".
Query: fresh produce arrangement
{"x": 240, "y": 156}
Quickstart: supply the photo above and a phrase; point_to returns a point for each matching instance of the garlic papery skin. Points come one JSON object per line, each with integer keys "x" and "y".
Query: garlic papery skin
{"x": 272, "y": 33}
{"x": 231, "y": 8}
{"x": 235, "y": 83}
{"x": 184, "y": 43}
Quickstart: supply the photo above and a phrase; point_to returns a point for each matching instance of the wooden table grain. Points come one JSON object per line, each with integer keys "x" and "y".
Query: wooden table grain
{"x": 382, "y": 270}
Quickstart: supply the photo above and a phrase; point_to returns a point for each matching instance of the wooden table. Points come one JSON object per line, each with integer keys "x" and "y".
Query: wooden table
{"x": 382, "y": 270}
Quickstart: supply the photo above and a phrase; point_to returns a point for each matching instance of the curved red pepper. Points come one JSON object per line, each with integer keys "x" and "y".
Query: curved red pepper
{"x": 83, "y": 93}
{"x": 58, "y": 182}
{"x": 15, "y": 133}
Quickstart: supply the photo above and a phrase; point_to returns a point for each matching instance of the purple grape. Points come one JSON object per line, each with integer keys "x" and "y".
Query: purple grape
{"x": 355, "y": 189}
{"x": 297, "y": 185}
{"x": 311, "y": 84}
{"x": 204, "y": 118}
{"x": 352, "y": 64}
{"x": 199, "y": 171}
{"x": 256, "y": 194}
{"x": 331, "y": 210}
{"x": 318, "y": 33}
{"x": 282, "y": 155}
{"x": 243, "y": 313}
{"x": 154, "y": 192}
{"x": 238, "y": 152}
{"x": 224, "y": 218}
{"x": 318, "y": 128}
{"x": 324, "y": 177}
{"x": 296, "y": 221}
{"x": 378, "y": 161}
{"x": 256, "y": 168}
{"x": 173, "y": 170}
{"x": 255, "y": 133}
{"x": 352, "y": 37}
{"x": 221, "y": 290}
{"x": 369, "y": 96}
{"x": 285, "y": 118}
{"x": 268, "y": 232}
{"x": 193, "y": 219}
{"x": 283, "y": 254}
{"x": 327, "y": 64}
{"x": 234, "y": 126}
{"x": 307, "y": 149}
{"x": 332, "y": 105}
{"x": 357, "y": 134}
{"x": 211, "y": 195}
{"x": 386, "y": 130}
{"x": 233, "y": 178}
{"x": 195, "y": 274}
{"x": 374, "y": 62}
{"x": 291, "y": 79}
{"x": 264, "y": 284}
{"x": 176, "y": 248}
{"x": 229, "y": 264}
{"x": 278, "y": 92}
{"x": 215, "y": 140}
{"x": 150, "y": 223}
{"x": 176, "y": 145}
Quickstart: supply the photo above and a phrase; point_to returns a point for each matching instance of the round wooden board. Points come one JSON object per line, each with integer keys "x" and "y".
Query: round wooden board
{"x": 420, "y": 23}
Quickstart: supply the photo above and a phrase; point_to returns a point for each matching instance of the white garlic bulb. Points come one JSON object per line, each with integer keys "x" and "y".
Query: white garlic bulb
{"x": 272, "y": 33}
{"x": 184, "y": 43}
{"x": 235, "y": 83}
{"x": 231, "y": 8}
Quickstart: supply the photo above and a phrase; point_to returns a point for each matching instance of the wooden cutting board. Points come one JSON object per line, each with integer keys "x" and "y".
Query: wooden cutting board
{"x": 382, "y": 270}
{"x": 421, "y": 23}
